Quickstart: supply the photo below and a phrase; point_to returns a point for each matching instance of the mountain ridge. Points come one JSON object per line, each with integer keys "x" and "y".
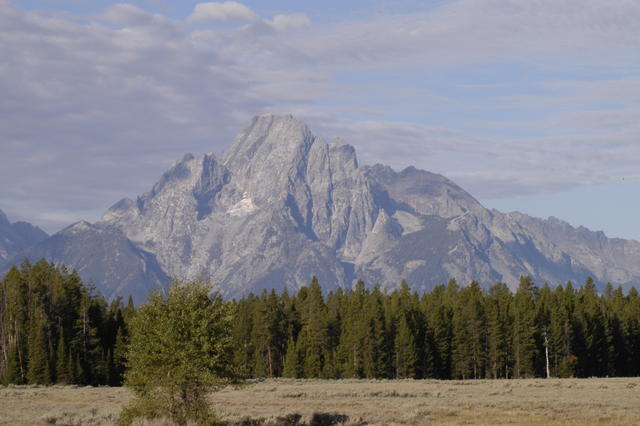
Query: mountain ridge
{"x": 16, "y": 237}
{"x": 280, "y": 205}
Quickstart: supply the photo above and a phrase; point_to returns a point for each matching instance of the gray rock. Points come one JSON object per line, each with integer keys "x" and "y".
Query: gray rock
{"x": 103, "y": 257}
{"x": 280, "y": 205}
{"x": 16, "y": 237}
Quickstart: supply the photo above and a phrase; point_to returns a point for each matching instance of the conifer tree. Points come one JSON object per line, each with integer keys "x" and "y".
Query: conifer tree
{"x": 593, "y": 356}
{"x": 292, "y": 366}
{"x": 312, "y": 339}
{"x": 62, "y": 373}
{"x": 440, "y": 319}
{"x": 524, "y": 329}
{"x": 499, "y": 320}
{"x": 39, "y": 369}
{"x": 375, "y": 363}
{"x": 561, "y": 332}
{"x": 354, "y": 332}
{"x": 631, "y": 325}
{"x": 405, "y": 352}
{"x": 469, "y": 340}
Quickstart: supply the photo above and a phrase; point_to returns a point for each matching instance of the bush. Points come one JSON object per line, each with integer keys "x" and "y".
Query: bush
{"x": 180, "y": 350}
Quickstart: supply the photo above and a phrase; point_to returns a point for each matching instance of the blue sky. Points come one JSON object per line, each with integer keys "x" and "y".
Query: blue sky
{"x": 529, "y": 105}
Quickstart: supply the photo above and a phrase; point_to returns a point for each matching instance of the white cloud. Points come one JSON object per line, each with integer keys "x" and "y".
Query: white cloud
{"x": 94, "y": 111}
{"x": 225, "y": 11}
{"x": 292, "y": 21}
{"x": 127, "y": 15}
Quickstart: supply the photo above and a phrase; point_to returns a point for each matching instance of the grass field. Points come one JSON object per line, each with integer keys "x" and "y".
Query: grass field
{"x": 282, "y": 401}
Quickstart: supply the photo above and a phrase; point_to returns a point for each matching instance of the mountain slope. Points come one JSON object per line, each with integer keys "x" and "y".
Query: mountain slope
{"x": 16, "y": 237}
{"x": 280, "y": 205}
{"x": 102, "y": 257}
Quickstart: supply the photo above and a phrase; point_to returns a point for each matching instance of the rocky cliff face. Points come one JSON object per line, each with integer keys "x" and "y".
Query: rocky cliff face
{"x": 16, "y": 237}
{"x": 280, "y": 205}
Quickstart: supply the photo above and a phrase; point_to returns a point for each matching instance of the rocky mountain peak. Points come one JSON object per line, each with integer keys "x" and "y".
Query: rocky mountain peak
{"x": 281, "y": 205}
{"x": 268, "y": 138}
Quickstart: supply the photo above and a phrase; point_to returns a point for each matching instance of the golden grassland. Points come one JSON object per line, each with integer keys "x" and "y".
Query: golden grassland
{"x": 357, "y": 402}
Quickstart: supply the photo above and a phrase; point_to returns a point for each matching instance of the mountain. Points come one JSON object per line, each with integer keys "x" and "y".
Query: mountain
{"x": 104, "y": 257}
{"x": 280, "y": 205}
{"x": 16, "y": 237}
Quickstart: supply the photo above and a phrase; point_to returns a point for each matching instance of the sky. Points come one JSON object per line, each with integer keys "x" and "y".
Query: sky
{"x": 530, "y": 105}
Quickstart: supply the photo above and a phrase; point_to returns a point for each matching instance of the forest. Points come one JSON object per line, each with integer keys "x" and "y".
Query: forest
{"x": 55, "y": 329}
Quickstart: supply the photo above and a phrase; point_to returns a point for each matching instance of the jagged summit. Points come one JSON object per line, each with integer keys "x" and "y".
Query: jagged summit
{"x": 281, "y": 205}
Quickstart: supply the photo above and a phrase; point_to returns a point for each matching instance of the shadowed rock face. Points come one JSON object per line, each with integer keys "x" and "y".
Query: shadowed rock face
{"x": 280, "y": 205}
{"x": 16, "y": 237}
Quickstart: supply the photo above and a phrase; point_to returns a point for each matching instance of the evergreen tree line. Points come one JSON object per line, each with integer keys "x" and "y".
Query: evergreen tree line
{"x": 53, "y": 329}
{"x": 452, "y": 332}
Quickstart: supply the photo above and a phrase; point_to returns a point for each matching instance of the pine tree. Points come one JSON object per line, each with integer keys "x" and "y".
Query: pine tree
{"x": 405, "y": 351}
{"x": 499, "y": 320}
{"x": 561, "y": 332}
{"x": 524, "y": 329}
{"x": 292, "y": 366}
{"x": 439, "y": 307}
{"x": 593, "y": 357}
{"x": 39, "y": 369}
{"x": 354, "y": 332}
{"x": 312, "y": 339}
{"x": 241, "y": 334}
{"x": 631, "y": 325}
{"x": 376, "y": 363}
{"x": 119, "y": 355}
{"x": 62, "y": 373}
{"x": 14, "y": 372}
{"x": 469, "y": 340}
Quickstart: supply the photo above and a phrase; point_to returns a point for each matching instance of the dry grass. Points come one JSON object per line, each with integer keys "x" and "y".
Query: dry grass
{"x": 61, "y": 405}
{"x": 279, "y": 401}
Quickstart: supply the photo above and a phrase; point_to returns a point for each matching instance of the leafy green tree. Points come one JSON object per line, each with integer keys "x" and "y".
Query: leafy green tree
{"x": 180, "y": 349}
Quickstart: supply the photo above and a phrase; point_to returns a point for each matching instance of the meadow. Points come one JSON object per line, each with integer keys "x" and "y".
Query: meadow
{"x": 356, "y": 402}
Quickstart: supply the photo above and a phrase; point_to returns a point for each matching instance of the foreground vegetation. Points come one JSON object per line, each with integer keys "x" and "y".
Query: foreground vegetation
{"x": 55, "y": 330}
{"x": 520, "y": 401}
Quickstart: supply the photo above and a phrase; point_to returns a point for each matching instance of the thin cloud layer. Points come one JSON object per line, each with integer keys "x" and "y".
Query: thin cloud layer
{"x": 225, "y": 11}
{"x": 95, "y": 107}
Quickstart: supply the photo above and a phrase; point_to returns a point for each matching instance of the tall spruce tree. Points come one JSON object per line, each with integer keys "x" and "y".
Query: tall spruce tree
{"x": 524, "y": 329}
{"x": 499, "y": 321}
{"x": 39, "y": 368}
{"x": 405, "y": 353}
